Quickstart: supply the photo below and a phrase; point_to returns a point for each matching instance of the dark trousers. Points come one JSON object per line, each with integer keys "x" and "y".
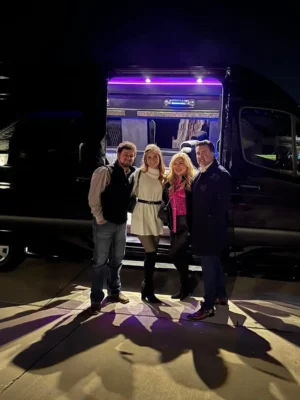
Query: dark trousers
{"x": 178, "y": 250}
{"x": 214, "y": 280}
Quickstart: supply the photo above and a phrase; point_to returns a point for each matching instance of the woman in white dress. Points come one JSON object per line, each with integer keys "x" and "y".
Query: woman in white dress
{"x": 148, "y": 187}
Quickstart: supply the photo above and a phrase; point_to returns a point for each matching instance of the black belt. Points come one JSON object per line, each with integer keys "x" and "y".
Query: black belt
{"x": 149, "y": 202}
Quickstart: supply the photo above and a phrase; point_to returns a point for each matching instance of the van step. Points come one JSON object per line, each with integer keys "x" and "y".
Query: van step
{"x": 159, "y": 265}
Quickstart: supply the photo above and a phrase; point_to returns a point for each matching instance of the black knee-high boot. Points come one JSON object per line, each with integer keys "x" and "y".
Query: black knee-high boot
{"x": 183, "y": 271}
{"x": 147, "y": 290}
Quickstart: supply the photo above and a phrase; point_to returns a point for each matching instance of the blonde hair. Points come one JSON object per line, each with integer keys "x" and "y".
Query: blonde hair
{"x": 189, "y": 175}
{"x": 161, "y": 166}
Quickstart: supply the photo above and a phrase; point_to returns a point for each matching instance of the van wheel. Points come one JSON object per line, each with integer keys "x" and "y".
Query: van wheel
{"x": 10, "y": 257}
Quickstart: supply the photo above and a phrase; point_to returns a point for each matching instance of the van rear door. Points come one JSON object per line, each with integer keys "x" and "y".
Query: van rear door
{"x": 259, "y": 148}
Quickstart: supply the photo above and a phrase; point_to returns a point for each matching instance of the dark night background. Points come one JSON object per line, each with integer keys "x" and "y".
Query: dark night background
{"x": 260, "y": 35}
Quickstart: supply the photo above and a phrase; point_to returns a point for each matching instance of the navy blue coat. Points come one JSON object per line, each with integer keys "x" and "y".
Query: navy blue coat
{"x": 211, "y": 194}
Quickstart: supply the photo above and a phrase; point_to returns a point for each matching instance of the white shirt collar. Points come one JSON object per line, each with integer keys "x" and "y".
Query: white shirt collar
{"x": 204, "y": 169}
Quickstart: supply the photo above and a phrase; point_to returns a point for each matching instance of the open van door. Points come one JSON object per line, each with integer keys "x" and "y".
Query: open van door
{"x": 260, "y": 147}
{"x": 165, "y": 106}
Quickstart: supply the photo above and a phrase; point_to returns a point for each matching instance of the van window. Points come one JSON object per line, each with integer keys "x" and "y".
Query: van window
{"x": 266, "y": 138}
{"x": 47, "y": 138}
{"x": 297, "y": 128}
{"x": 5, "y": 139}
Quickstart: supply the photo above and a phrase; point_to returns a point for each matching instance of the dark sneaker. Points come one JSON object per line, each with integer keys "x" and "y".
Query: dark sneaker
{"x": 95, "y": 308}
{"x": 118, "y": 298}
{"x": 201, "y": 314}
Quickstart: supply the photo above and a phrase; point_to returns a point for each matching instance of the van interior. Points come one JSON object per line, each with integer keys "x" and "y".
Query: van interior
{"x": 165, "y": 110}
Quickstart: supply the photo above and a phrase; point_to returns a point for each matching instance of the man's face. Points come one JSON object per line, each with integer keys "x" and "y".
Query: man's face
{"x": 126, "y": 158}
{"x": 204, "y": 156}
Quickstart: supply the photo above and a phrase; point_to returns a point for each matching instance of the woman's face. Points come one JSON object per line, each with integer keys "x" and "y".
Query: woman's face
{"x": 152, "y": 159}
{"x": 179, "y": 167}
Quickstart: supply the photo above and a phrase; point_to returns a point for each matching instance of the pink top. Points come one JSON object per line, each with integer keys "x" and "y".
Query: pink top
{"x": 178, "y": 204}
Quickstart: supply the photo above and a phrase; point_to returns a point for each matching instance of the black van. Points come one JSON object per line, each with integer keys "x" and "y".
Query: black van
{"x": 47, "y": 155}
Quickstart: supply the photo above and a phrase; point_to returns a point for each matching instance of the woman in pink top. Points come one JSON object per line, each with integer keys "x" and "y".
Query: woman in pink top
{"x": 177, "y": 197}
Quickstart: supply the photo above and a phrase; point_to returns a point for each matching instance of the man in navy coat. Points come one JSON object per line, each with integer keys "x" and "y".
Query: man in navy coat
{"x": 211, "y": 192}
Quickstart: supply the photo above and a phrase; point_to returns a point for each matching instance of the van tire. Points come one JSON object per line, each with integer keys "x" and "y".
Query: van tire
{"x": 11, "y": 257}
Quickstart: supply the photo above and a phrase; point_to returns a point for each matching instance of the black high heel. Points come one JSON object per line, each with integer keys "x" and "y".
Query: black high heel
{"x": 148, "y": 295}
{"x": 176, "y": 295}
{"x": 151, "y": 298}
{"x": 181, "y": 294}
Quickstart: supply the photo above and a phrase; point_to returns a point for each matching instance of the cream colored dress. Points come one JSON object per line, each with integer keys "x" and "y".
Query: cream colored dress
{"x": 144, "y": 220}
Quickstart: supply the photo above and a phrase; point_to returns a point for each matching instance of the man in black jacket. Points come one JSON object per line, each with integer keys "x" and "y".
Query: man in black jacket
{"x": 211, "y": 192}
{"x": 109, "y": 197}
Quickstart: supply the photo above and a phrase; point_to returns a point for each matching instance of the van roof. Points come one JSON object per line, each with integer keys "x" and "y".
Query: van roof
{"x": 191, "y": 71}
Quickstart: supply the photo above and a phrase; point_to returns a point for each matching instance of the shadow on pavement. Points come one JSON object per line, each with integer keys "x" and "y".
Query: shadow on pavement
{"x": 270, "y": 317}
{"x": 121, "y": 342}
{"x": 26, "y": 313}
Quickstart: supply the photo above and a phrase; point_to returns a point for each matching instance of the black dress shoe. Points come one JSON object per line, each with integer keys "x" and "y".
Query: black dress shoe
{"x": 219, "y": 302}
{"x": 202, "y": 314}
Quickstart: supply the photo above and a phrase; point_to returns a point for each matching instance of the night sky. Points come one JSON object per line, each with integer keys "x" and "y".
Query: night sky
{"x": 264, "y": 37}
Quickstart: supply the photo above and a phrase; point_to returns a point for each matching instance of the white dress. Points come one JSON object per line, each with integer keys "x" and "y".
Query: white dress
{"x": 144, "y": 220}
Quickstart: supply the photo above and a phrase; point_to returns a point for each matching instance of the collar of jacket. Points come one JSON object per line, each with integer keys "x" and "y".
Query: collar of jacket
{"x": 211, "y": 166}
{"x": 117, "y": 165}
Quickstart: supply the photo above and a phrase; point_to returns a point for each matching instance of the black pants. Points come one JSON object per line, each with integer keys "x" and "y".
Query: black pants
{"x": 179, "y": 250}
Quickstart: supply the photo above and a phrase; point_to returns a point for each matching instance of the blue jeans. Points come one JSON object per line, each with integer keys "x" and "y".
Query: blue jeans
{"x": 214, "y": 280}
{"x": 109, "y": 250}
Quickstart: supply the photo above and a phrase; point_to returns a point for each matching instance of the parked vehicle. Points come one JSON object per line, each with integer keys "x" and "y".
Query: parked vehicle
{"x": 48, "y": 154}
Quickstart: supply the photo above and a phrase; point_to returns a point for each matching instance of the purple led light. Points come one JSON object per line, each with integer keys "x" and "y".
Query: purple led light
{"x": 163, "y": 81}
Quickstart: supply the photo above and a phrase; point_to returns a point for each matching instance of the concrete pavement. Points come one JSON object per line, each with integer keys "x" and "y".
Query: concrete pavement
{"x": 51, "y": 349}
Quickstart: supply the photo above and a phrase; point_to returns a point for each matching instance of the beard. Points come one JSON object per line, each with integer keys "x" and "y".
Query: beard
{"x": 126, "y": 164}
